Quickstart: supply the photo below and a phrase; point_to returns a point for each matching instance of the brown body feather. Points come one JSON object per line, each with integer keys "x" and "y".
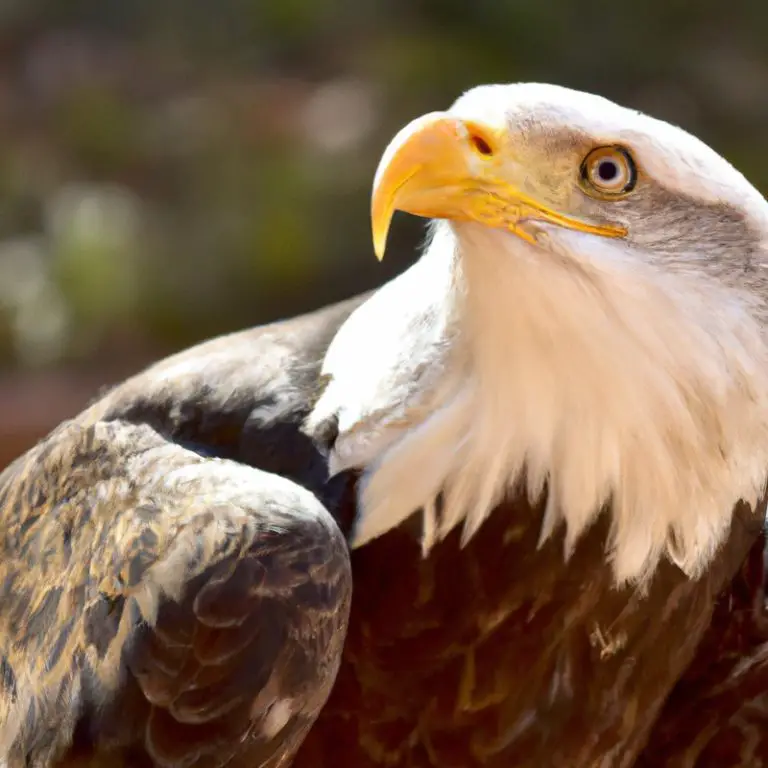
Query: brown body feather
{"x": 500, "y": 655}
{"x": 164, "y": 604}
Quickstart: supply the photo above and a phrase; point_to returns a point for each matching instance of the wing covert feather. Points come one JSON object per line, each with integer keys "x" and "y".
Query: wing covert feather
{"x": 170, "y": 608}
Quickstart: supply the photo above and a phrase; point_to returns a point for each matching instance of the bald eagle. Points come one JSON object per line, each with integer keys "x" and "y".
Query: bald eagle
{"x": 538, "y": 456}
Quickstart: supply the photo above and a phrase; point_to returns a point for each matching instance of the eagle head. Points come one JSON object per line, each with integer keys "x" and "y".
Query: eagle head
{"x": 587, "y": 321}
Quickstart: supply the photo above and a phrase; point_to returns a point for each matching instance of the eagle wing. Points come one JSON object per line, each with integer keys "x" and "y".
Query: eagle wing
{"x": 158, "y": 601}
{"x": 162, "y": 604}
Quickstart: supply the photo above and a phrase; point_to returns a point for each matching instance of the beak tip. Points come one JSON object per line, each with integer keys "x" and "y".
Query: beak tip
{"x": 378, "y": 249}
{"x": 380, "y": 227}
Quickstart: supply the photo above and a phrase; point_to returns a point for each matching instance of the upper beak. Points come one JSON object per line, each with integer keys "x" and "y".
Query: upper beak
{"x": 443, "y": 167}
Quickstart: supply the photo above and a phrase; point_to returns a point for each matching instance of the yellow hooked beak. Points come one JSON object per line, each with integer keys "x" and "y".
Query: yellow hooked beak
{"x": 442, "y": 167}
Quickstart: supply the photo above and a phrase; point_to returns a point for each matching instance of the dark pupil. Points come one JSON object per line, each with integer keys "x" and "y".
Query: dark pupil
{"x": 607, "y": 170}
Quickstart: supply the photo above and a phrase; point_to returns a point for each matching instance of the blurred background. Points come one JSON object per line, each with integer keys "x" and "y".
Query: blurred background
{"x": 175, "y": 169}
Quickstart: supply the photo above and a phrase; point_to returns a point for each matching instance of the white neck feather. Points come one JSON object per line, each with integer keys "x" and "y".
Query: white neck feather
{"x": 607, "y": 382}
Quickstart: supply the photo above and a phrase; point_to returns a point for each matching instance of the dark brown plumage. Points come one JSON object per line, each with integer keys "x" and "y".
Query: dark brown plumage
{"x": 160, "y": 600}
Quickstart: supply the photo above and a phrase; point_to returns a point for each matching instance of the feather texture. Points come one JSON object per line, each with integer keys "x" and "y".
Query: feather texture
{"x": 162, "y": 605}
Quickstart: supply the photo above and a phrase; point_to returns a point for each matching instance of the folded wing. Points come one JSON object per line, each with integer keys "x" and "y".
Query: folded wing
{"x": 161, "y": 607}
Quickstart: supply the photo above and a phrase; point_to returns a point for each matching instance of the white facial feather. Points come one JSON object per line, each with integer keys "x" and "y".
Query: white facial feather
{"x": 602, "y": 374}
{"x": 685, "y": 163}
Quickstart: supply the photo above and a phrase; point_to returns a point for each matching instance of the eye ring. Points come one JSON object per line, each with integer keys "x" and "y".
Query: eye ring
{"x": 608, "y": 173}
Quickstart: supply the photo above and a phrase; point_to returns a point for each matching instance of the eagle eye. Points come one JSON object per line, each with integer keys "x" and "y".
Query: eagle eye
{"x": 608, "y": 173}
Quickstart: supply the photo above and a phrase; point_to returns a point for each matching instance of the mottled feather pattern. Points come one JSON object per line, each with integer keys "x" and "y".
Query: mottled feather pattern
{"x": 162, "y": 605}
